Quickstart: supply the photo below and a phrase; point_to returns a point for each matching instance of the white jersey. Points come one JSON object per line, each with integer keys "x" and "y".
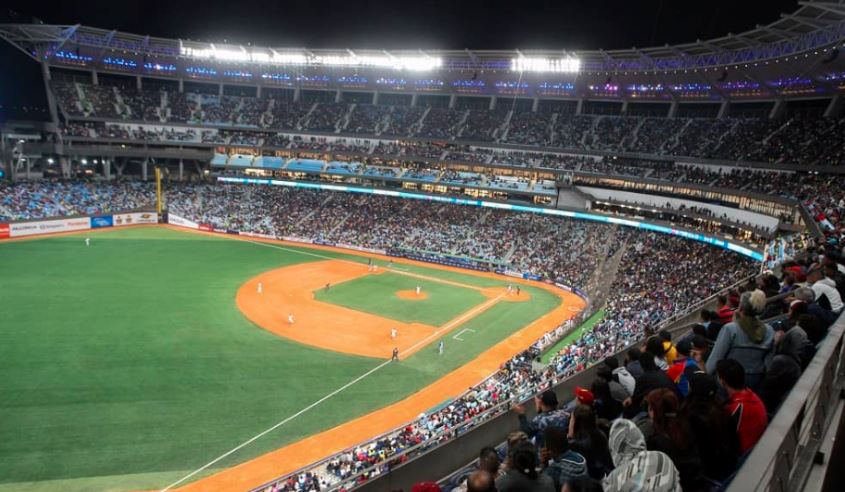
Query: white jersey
{"x": 260, "y": 287}
{"x": 393, "y": 333}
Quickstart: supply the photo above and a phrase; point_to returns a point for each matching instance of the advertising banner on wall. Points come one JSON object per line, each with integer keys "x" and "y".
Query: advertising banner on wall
{"x": 103, "y": 221}
{"x": 21, "y": 229}
{"x": 181, "y": 221}
{"x": 4, "y": 231}
{"x": 135, "y": 218}
{"x": 206, "y": 228}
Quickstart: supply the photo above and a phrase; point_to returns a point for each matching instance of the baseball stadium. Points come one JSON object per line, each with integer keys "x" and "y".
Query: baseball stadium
{"x": 254, "y": 268}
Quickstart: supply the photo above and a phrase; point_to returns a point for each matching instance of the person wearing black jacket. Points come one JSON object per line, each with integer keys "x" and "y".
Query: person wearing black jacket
{"x": 651, "y": 379}
{"x": 717, "y": 442}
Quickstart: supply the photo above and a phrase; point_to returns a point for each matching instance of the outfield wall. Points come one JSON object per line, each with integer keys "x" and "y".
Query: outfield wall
{"x": 75, "y": 224}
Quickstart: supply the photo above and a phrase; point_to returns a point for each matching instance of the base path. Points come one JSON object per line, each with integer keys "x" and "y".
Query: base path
{"x": 295, "y": 456}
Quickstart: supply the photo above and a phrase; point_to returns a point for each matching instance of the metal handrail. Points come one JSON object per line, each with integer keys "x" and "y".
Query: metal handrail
{"x": 782, "y": 459}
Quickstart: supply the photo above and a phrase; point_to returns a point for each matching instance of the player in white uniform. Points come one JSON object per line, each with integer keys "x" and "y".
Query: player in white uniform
{"x": 440, "y": 347}
{"x": 260, "y": 288}
{"x": 393, "y": 333}
{"x": 290, "y": 318}
{"x": 87, "y": 241}
{"x": 419, "y": 289}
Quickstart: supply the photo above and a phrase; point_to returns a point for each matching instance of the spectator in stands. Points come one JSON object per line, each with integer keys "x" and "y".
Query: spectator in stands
{"x": 723, "y": 310}
{"x": 791, "y": 349}
{"x": 632, "y": 362}
{"x": 607, "y": 407}
{"x": 654, "y": 346}
{"x": 548, "y": 415}
{"x": 744, "y": 406}
{"x": 521, "y": 474}
{"x": 714, "y": 433}
{"x": 825, "y": 289}
{"x": 832, "y": 273}
{"x": 637, "y": 469}
{"x": 669, "y": 352}
{"x": 684, "y": 366}
{"x": 621, "y": 377}
{"x": 586, "y": 439}
{"x": 746, "y": 340}
{"x": 559, "y": 462}
{"x": 651, "y": 379}
{"x": 712, "y": 323}
{"x": 825, "y": 317}
{"x": 481, "y": 481}
{"x": 672, "y": 435}
{"x": 488, "y": 461}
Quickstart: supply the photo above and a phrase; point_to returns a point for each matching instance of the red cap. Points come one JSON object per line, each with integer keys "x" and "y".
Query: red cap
{"x": 583, "y": 395}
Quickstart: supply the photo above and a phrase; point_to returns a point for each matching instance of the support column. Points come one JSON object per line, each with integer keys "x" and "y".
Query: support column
{"x": 493, "y": 101}
{"x": 119, "y": 167}
{"x": 337, "y": 96}
{"x": 673, "y": 109}
{"x": 624, "y": 107}
{"x": 51, "y": 99}
{"x": 723, "y": 109}
{"x": 138, "y": 82}
{"x": 181, "y": 170}
{"x": 107, "y": 169}
{"x": 95, "y": 79}
{"x": 452, "y": 100}
{"x": 64, "y": 165}
{"x": 296, "y": 94}
{"x": 220, "y": 90}
{"x": 258, "y": 92}
{"x": 414, "y": 99}
{"x": 375, "y": 97}
{"x": 579, "y": 108}
{"x": 144, "y": 170}
{"x": 181, "y": 85}
{"x": 834, "y": 109}
{"x": 777, "y": 109}
{"x": 535, "y": 104}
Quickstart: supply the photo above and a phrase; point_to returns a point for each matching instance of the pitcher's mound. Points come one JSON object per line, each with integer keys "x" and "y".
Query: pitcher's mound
{"x": 411, "y": 295}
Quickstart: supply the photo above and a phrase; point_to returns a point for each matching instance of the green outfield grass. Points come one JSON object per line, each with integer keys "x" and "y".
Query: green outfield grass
{"x": 376, "y": 294}
{"x": 126, "y": 364}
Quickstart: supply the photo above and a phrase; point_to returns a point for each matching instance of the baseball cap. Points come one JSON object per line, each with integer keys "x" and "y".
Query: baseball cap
{"x": 549, "y": 398}
{"x": 583, "y": 395}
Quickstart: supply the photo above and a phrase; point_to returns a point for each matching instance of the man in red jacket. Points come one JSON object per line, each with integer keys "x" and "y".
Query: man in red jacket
{"x": 743, "y": 405}
{"x": 723, "y": 310}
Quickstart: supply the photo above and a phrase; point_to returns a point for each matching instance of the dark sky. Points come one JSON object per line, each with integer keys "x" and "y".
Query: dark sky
{"x": 455, "y": 24}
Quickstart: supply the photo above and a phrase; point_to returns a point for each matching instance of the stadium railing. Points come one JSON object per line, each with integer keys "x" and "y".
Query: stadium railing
{"x": 784, "y": 456}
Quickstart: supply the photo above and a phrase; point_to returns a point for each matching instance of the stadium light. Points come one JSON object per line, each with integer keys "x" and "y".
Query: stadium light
{"x": 272, "y": 57}
{"x": 545, "y": 65}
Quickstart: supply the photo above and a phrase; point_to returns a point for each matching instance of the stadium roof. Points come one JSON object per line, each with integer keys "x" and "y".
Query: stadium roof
{"x": 816, "y": 25}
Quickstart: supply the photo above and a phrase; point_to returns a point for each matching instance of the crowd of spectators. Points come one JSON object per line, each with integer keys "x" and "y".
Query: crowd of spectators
{"x": 28, "y": 200}
{"x": 793, "y": 140}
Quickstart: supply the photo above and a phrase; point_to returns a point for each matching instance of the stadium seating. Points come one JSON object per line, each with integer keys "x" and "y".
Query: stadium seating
{"x": 793, "y": 140}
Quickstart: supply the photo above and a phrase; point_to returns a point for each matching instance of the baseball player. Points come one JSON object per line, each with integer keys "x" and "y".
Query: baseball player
{"x": 440, "y": 347}
{"x": 290, "y": 318}
{"x": 393, "y": 333}
{"x": 260, "y": 288}
{"x": 87, "y": 241}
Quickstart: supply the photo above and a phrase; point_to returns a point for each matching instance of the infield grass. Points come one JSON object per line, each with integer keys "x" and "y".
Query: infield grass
{"x": 376, "y": 294}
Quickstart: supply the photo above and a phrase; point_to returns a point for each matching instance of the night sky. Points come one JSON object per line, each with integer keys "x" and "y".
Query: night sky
{"x": 433, "y": 24}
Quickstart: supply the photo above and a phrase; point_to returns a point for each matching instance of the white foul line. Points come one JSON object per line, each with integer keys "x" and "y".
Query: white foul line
{"x": 271, "y": 429}
{"x": 447, "y": 326}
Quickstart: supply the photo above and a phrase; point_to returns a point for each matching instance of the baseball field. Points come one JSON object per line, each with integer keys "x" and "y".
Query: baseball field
{"x": 158, "y": 357}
